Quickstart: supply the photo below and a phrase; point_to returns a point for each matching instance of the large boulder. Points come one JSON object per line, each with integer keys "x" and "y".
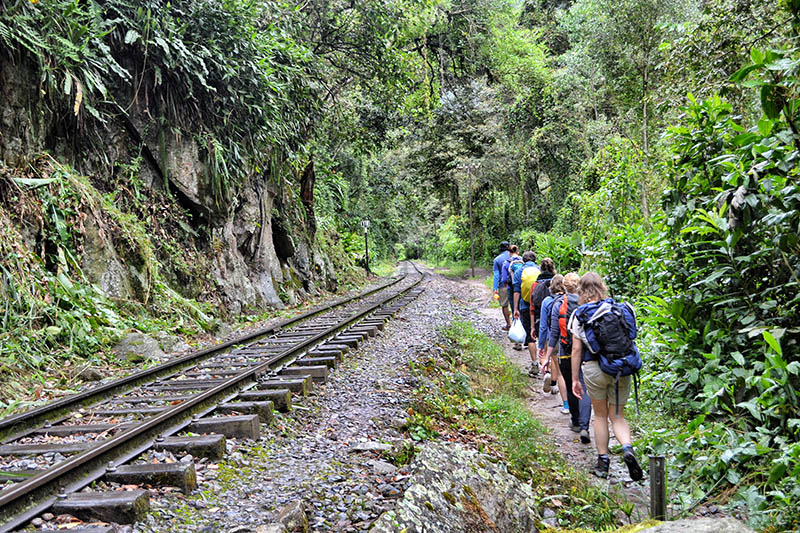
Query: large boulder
{"x": 456, "y": 489}
{"x": 136, "y": 347}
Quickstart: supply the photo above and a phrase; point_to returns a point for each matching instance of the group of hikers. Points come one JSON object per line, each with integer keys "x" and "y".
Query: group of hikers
{"x": 595, "y": 360}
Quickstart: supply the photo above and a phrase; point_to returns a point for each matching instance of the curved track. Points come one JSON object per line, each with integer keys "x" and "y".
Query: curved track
{"x": 225, "y": 390}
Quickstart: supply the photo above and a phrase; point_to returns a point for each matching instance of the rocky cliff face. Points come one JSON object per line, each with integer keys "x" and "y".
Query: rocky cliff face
{"x": 256, "y": 247}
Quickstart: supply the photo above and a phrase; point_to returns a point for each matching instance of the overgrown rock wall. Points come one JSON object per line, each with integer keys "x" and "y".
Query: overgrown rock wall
{"x": 235, "y": 239}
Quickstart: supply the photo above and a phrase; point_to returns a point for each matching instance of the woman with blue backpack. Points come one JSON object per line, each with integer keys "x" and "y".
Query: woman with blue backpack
{"x": 610, "y": 359}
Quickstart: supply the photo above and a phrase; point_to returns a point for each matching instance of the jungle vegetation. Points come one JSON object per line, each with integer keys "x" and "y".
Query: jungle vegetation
{"x": 655, "y": 141}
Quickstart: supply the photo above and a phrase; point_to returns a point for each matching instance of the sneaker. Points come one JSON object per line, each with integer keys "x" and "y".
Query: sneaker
{"x": 517, "y": 347}
{"x": 547, "y": 384}
{"x": 554, "y": 387}
{"x": 575, "y": 428}
{"x": 601, "y": 468}
{"x": 506, "y": 328}
{"x": 533, "y": 370}
{"x": 633, "y": 465}
{"x": 565, "y": 410}
{"x": 585, "y": 436}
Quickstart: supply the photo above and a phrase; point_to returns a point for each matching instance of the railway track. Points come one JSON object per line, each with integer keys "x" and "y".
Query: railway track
{"x": 189, "y": 405}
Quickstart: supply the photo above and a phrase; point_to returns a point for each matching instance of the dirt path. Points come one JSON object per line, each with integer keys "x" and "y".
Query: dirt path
{"x": 547, "y": 408}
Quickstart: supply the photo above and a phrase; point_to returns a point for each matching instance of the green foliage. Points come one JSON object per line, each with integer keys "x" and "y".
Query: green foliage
{"x": 564, "y": 250}
{"x": 728, "y": 319}
{"x": 52, "y": 312}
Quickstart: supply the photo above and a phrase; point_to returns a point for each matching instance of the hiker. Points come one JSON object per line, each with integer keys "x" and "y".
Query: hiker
{"x": 506, "y": 291}
{"x": 524, "y": 279}
{"x": 606, "y": 331}
{"x": 564, "y": 303}
{"x": 497, "y": 267}
{"x": 552, "y": 382}
{"x": 538, "y": 294}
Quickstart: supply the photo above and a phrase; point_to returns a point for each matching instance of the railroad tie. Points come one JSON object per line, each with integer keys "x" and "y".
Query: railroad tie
{"x": 330, "y": 361}
{"x": 318, "y": 373}
{"x": 238, "y": 427}
{"x": 297, "y": 384}
{"x": 120, "y": 506}
{"x": 209, "y": 446}
{"x": 179, "y": 475}
{"x": 262, "y": 409}
{"x": 280, "y": 398}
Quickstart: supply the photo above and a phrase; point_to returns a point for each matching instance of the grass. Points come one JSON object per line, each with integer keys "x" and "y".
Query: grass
{"x": 475, "y": 393}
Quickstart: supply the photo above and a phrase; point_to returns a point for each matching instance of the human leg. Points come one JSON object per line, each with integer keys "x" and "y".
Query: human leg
{"x": 601, "y": 425}
{"x": 584, "y": 408}
{"x": 504, "y": 307}
{"x": 525, "y": 317}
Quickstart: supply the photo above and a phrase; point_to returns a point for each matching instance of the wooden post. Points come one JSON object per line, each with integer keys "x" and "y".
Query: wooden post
{"x": 658, "y": 488}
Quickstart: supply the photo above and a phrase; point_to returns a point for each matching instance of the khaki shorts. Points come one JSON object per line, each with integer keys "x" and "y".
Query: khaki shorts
{"x": 600, "y": 385}
{"x": 503, "y": 296}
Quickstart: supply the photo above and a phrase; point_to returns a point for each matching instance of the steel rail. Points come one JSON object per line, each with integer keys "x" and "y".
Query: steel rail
{"x": 16, "y": 426}
{"x": 21, "y": 502}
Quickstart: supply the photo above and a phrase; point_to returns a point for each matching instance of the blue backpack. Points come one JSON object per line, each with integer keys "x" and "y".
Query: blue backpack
{"x": 610, "y": 329}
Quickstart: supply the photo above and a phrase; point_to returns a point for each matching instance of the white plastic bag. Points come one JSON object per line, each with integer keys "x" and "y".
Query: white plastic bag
{"x": 516, "y": 333}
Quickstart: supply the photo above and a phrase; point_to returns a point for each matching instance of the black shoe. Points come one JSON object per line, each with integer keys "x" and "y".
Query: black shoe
{"x": 575, "y": 428}
{"x": 601, "y": 469}
{"x": 585, "y": 436}
{"x": 633, "y": 465}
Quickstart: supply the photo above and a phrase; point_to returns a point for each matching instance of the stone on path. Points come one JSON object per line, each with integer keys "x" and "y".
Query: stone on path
{"x": 456, "y": 489}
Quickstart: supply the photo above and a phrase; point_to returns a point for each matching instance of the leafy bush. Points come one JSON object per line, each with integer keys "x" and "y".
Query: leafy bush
{"x": 565, "y": 250}
{"x": 728, "y": 324}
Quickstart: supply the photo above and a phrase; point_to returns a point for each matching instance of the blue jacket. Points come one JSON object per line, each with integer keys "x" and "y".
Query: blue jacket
{"x": 544, "y": 322}
{"x": 517, "y": 283}
{"x": 497, "y": 267}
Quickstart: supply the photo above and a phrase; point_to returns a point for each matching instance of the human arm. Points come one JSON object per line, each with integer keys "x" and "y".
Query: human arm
{"x": 516, "y": 305}
{"x": 495, "y": 276}
{"x": 555, "y": 331}
{"x": 577, "y": 355}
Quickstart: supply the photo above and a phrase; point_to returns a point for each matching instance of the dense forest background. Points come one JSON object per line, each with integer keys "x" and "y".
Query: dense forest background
{"x": 655, "y": 141}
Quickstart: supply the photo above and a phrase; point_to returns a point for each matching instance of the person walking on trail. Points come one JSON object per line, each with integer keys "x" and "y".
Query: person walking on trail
{"x": 552, "y": 382}
{"x": 497, "y": 268}
{"x": 523, "y": 281}
{"x": 506, "y": 276}
{"x": 603, "y": 337}
{"x": 565, "y": 301}
{"x": 540, "y": 291}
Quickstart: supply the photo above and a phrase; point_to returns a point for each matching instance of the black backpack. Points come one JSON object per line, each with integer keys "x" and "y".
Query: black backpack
{"x": 541, "y": 292}
{"x": 611, "y": 333}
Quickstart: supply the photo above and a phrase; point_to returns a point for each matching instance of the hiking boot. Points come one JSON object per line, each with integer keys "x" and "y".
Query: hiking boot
{"x": 533, "y": 370}
{"x": 585, "y": 436}
{"x": 547, "y": 385}
{"x": 634, "y": 469}
{"x": 575, "y": 428}
{"x": 601, "y": 468}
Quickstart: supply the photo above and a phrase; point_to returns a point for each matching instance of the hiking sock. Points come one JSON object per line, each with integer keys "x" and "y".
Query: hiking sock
{"x": 629, "y": 456}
